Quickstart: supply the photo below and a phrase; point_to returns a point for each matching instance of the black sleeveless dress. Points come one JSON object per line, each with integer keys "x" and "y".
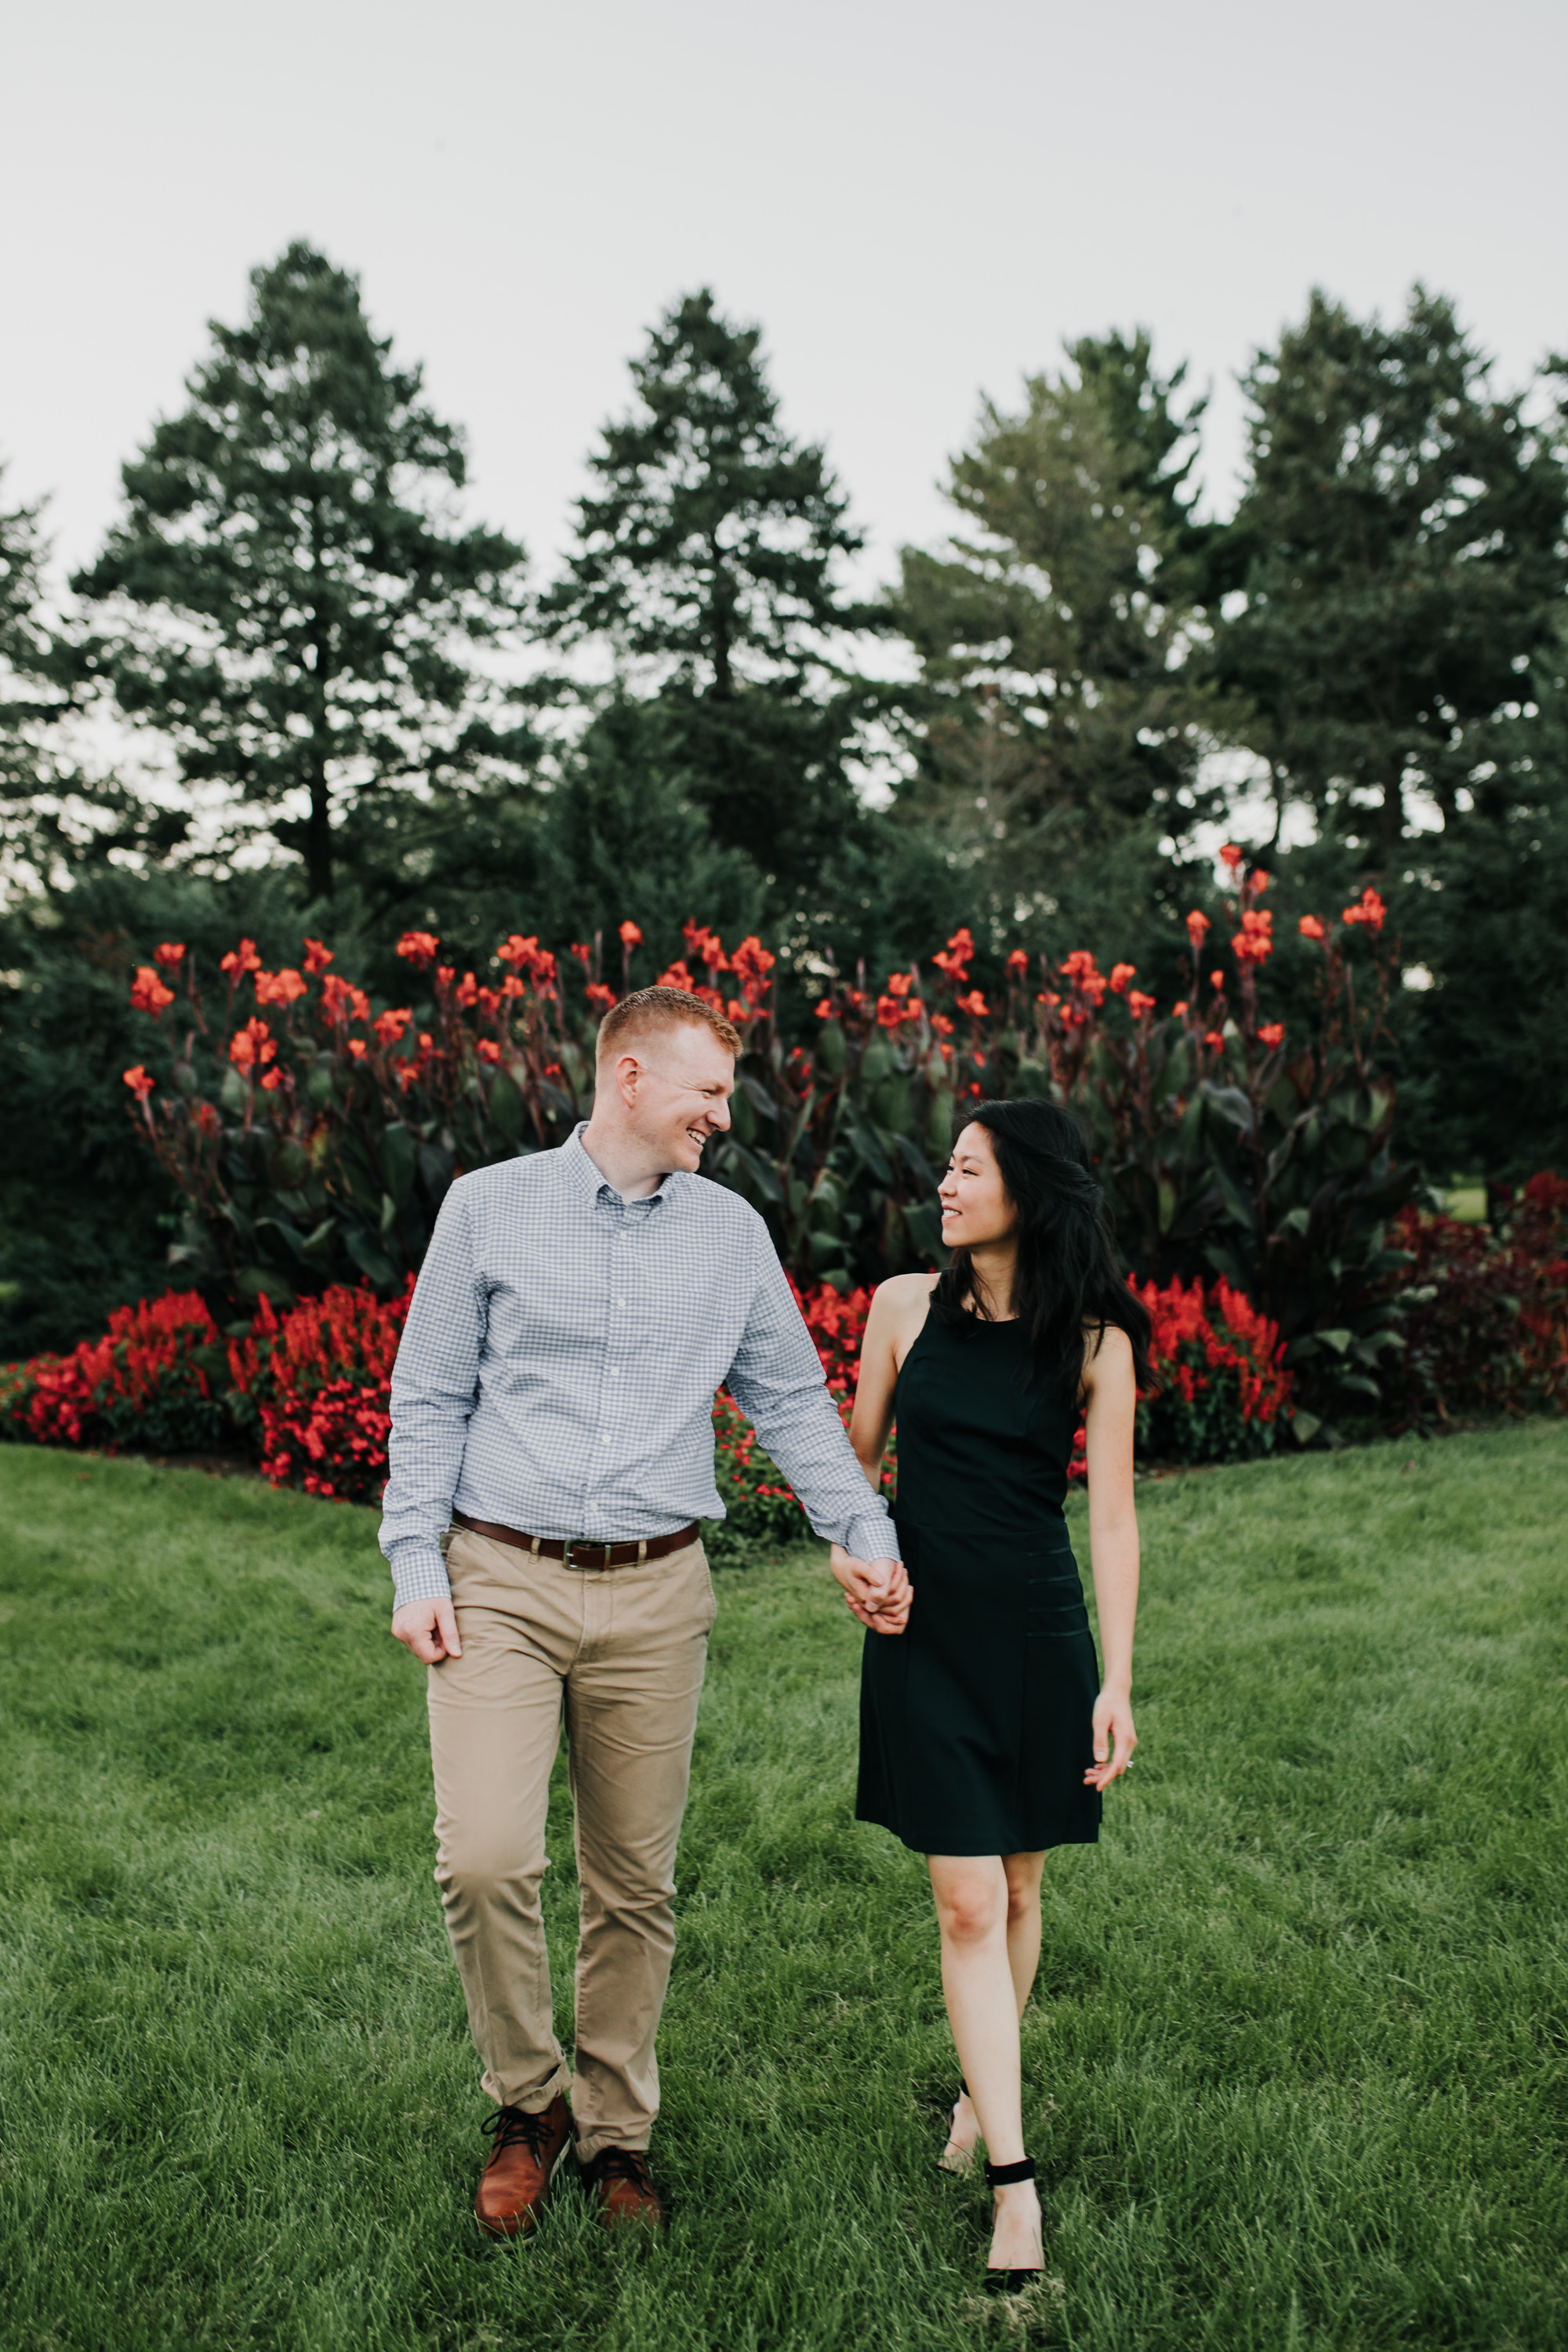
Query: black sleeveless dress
{"x": 975, "y": 1722}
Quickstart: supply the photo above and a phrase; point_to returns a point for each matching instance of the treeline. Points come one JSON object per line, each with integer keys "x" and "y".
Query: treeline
{"x": 370, "y": 714}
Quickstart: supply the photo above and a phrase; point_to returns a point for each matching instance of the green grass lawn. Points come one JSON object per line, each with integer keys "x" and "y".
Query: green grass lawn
{"x": 1295, "y": 2074}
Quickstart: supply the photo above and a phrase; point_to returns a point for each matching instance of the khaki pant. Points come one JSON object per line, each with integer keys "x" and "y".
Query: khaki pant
{"x": 621, "y": 1652}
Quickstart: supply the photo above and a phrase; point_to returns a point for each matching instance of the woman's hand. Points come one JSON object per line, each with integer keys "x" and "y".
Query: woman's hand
{"x": 878, "y": 1593}
{"x": 1114, "y": 1740}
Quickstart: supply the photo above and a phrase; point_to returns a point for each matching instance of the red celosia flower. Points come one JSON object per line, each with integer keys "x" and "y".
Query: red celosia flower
{"x": 169, "y": 954}
{"x": 630, "y": 936}
{"x": 1310, "y": 926}
{"x": 241, "y": 959}
{"x": 1230, "y": 855}
{"x": 251, "y": 1045}
{"x": 1120, "y": 976}
{"x": 418, "y": 948}
{"x": 1271, "y": 1033}
{"x": 279, "y": 987}
{"x": 148, "y": 993}
{"x": 140, "y": 1084}
{"x": 489, "y": 1050}
{"x": 317, "y": 957}
{"x": 1138, "y": 1005}
{"x": 390, "y": 1026}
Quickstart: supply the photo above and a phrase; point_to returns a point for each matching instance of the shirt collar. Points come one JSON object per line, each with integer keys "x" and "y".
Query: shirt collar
{"x": 586, "y": 1177}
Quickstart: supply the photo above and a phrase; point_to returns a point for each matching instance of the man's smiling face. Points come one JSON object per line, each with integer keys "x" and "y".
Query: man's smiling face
{"x": 685, "y": 1077}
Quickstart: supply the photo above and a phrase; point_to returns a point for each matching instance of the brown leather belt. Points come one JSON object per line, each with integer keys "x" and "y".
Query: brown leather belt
{"x": 581, "y": 1555}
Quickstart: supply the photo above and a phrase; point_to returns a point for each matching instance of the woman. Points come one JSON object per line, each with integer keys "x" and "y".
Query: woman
{"x": 983, "y": 1738}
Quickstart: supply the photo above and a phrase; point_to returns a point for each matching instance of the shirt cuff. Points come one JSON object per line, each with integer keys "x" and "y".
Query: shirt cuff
{"x": 872, "y": 1537}
{"x": 418, "y": 1572}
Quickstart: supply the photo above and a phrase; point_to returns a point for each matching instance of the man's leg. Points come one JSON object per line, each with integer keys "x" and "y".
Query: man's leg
{"x": 631, "y": 1713}
{"x": 495, "y": 1717}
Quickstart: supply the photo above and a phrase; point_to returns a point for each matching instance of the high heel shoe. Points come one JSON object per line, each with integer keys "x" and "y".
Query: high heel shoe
{"x": 1012, "y": 2282}
{"x": 954, "y": 2160}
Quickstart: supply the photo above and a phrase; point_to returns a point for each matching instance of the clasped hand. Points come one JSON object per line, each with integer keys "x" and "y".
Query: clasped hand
{"x": 878, "y": 1591}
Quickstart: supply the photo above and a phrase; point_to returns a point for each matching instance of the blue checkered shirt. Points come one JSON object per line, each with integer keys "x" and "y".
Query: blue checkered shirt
{"x": 560, "y": 1359}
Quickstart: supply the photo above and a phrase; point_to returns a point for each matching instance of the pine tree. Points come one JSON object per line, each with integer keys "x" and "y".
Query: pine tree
{"x": 707, "y": 559}
{"x": 1061, "y": 707}
{"x": 288, "y": 597}
{"x": 1400, "y": 550}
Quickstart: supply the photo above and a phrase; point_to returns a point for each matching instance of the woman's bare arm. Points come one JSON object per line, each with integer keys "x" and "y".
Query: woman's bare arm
{"x": 1111, "y": 1398}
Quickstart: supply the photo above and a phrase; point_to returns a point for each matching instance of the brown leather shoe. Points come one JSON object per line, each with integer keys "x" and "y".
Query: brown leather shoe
{"x": 527, "y": 2153}
{"x": 622, "y": 2187}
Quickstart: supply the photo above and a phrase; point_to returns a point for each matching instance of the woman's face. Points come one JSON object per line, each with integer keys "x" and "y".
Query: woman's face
{"x": 975, "y": 1207}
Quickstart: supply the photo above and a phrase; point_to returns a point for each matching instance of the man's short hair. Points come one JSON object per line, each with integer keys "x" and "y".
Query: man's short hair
{"x": 649, "y": 1010}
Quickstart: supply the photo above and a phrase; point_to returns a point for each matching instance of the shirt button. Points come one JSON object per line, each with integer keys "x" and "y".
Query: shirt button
{"x": 615, "y": 1373}
{"x": 620, "y": 1302}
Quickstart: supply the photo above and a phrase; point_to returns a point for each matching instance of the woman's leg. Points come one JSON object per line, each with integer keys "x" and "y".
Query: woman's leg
{"x": 1023, "y": 1873}
{"x": 977, "y": 1982}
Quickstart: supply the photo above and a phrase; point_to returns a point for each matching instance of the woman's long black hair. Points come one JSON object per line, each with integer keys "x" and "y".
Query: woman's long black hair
{"x": 1066, "y": 1282}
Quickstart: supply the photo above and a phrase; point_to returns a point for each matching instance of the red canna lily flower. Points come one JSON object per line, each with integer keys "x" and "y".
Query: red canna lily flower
{"x": 975, "y": 1004}
{"x": 240, "y": 960}
{"x": 584, "y": 955}
{"x": 390, "y": 1025}
{"x": 1120, "y": 975}
{"x": 418, "y": 948}
{"x": 1271, "y": 1033}
{"x": 1018, "y": 960}
{"x": 1369, "y": 909}
{"x": 1197, "y": 930}
{"x": 140, "y": 1084}
{"x": 677, "y": 977}
{"x": 630, "y": 936}
{"x": 1216, "y": 980}
{"x": 148, "y": 993}
{"x": 279, "y": 987}
{"x": 1213, "y": 1040}
{"x": 1310, "y": 926}
{"x": 600, "y": 997}
{"x": 1138, "y": 1005}
{"x": 317, "y": 957}
{"x": 1179, "y": 1007}
{"x": 169, "y": 954}
{"x": 1230, "y": 855}
{"x": 272, "y": 1079}
{"x": 251, "y": 1045}
{"x": 825, "y": 1009}
{"x": 357, "y": 1048}
{"x": 489, "y": 1050}
{"x": 468, "y": 990}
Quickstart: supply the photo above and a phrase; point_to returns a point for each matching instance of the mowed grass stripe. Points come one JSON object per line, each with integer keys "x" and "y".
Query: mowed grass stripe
{"x": 1295, "y": 2069}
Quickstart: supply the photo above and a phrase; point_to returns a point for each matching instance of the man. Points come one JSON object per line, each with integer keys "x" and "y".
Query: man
{"x": 552, "y": 1399}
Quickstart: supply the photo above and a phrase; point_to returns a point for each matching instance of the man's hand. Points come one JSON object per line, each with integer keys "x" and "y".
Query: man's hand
{"x": 428, "y": 1628}
{"x": 877, "y": 1592}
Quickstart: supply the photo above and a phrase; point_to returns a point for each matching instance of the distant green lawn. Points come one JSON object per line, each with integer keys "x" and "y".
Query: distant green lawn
{"x": 1296, "y": 2073}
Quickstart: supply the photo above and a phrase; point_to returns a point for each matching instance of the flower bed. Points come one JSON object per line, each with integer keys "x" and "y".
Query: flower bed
{"x": 1485, "y": 1315}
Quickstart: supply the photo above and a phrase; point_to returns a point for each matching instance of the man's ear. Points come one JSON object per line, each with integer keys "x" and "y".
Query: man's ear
{"x": 628, "y": 1070}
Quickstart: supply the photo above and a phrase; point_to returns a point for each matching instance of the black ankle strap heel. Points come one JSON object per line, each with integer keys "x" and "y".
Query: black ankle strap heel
{"x": 1002, "y": 2176}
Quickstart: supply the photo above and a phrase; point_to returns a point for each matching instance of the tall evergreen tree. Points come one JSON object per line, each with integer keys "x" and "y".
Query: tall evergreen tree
{"x": 30, "y": 704}
{"x": 708, "y": 559}
{"x": 1060, "y": 710}
{"x": 288, "y": 598}
{"x": 1400, "y": 549}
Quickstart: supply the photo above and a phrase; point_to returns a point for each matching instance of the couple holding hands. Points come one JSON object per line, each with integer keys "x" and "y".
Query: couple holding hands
{"x": 552, "y": 1402}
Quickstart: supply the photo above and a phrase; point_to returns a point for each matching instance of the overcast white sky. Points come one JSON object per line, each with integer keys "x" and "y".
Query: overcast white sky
{"x": 917, "y": 201}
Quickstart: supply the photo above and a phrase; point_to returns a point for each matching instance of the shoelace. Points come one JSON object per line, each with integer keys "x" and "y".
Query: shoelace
{"x": 624, "y": 2164}
{"x": 508, "y": 2125}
